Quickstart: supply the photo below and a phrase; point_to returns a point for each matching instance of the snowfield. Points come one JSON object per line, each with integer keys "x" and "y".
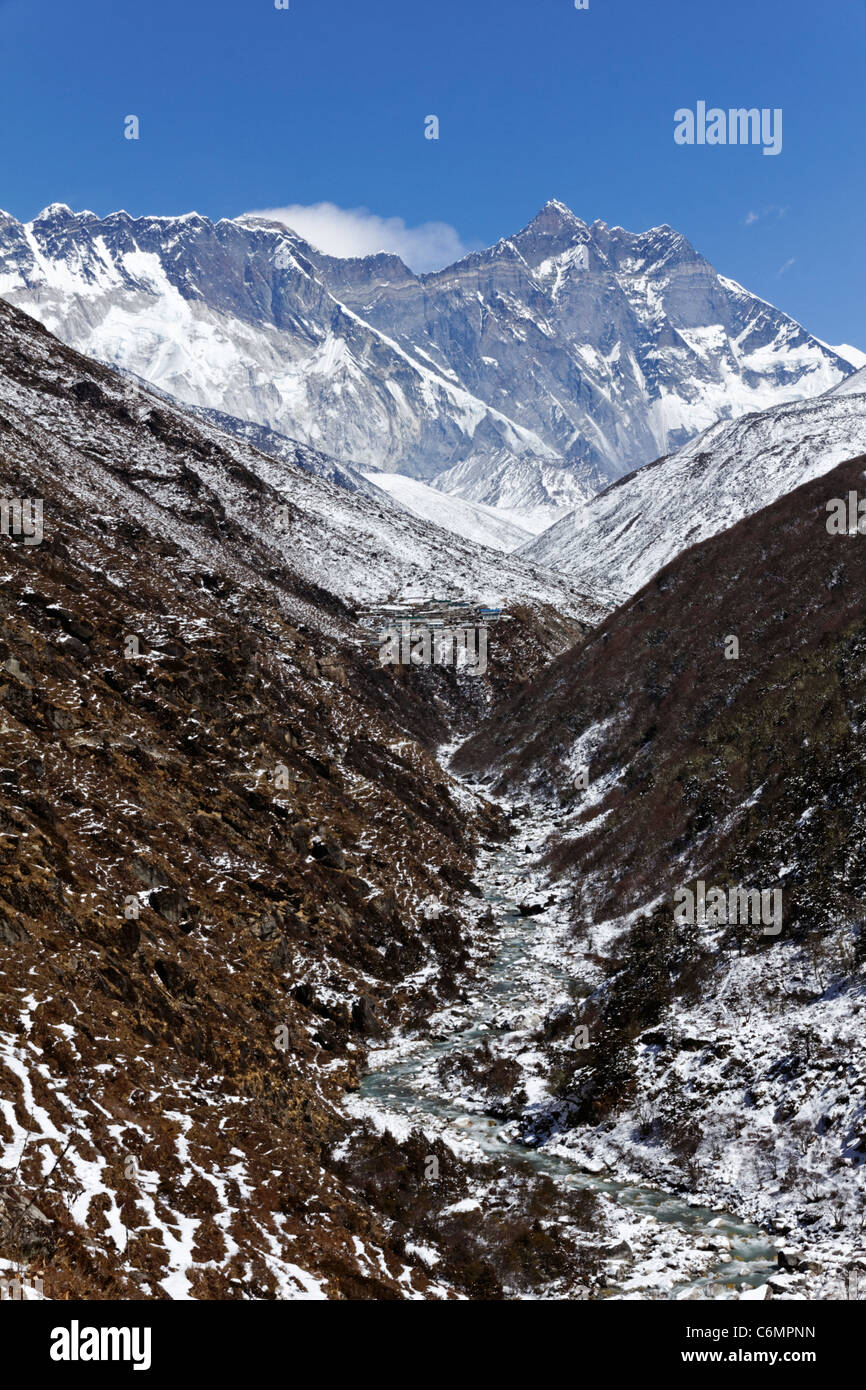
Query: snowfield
{"x": 473, "y": 522}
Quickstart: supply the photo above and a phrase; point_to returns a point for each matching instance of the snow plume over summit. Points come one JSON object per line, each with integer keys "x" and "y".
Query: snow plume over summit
{"x": 356, "y": 232}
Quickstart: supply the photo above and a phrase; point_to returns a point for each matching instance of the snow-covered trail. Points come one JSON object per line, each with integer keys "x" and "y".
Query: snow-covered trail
{"x": 681, "y": 1249}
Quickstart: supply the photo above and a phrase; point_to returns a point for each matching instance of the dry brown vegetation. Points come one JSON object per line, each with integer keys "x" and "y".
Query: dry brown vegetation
{"x": 212, "y": 854}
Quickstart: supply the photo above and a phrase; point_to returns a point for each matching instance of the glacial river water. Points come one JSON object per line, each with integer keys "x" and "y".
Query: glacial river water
{"x": 514, "y": 969}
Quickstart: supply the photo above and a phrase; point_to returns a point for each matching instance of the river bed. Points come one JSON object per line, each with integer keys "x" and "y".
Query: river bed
{"x": 529, "y": 965}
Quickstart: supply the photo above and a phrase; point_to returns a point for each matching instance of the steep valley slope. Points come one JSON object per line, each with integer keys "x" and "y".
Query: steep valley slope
{"x": 728, "y": 1057}
{"x": 231, "y": 861}
{"x": 615, "y": 543}
{"x": 228, "y": 858}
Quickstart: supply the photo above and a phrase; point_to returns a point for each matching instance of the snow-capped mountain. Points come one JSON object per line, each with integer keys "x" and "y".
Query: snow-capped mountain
{"x": 612, "y": 347}
{"x": 523, "y": 377}
{"x": 232, "y": 862}
{"x": 851, "y": 354}
{"x": 359, "y": 547}
{"x": 612, "y": 546}
{"x": 237, "y": 316}
{"x": 852, "y": 385}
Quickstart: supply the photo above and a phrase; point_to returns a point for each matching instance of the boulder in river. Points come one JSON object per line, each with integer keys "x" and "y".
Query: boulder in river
{"x": 789, "y": 1259}
{"x": 364, "y": 1017}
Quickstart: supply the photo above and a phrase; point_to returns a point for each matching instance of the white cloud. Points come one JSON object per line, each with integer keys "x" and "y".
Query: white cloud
{"x": 783, "y": 269}
{"x": 359, "y": 232}
{"x": 773, "y": 211}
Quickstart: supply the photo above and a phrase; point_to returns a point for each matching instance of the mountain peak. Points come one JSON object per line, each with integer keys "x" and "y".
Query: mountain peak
{"x": 54, "y": 210}
{"x": 385, "y": 368}
{"x": 555, "y": 217}
{"x": 557, "y": 206}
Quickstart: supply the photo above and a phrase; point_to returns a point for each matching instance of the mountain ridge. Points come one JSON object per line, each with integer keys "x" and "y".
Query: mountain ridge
{"x": 526, "y": 375}
{"x": 641, "y": 522}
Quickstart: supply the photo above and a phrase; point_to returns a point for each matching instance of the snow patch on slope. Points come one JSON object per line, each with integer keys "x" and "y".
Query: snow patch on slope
{"x": 467, "y": 519}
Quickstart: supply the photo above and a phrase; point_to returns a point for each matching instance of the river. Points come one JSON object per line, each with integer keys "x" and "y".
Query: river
{"x": 524, "y": 970}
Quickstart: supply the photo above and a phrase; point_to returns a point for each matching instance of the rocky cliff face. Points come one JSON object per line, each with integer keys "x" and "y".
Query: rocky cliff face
{"x": 524, "y": 377}
{"x": 613, "y": 347}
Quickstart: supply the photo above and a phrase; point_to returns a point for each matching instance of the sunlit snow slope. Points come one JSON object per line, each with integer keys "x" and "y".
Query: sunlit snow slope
{"x": 622, "y": 537}
{"x": 467, "y": 519}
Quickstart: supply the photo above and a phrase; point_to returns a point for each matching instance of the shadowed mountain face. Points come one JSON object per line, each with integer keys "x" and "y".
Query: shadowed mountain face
{"x": 667, "y": 754}
{"x": 228, "y": 856}
{"x": 525, "y": 376}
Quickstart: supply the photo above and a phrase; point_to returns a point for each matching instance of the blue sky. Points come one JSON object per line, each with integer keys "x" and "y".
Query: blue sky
{"x": 243, "y": 106}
